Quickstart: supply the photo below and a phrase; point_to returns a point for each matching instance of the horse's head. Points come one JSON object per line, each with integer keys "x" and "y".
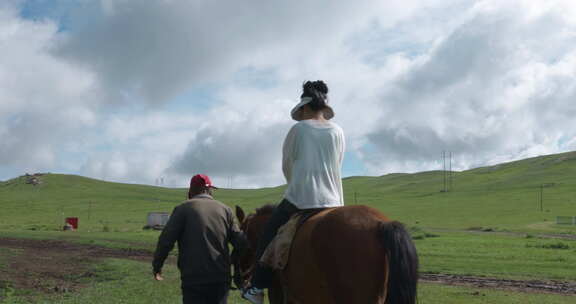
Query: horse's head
{"x": 252, "y": 226}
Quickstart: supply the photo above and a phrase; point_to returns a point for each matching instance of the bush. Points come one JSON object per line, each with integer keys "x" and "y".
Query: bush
{"x": 475, "y": 228}
{"x": 557, "y": 245}
{"x": 418, "y": 233}
{"x": 37, "y": 227}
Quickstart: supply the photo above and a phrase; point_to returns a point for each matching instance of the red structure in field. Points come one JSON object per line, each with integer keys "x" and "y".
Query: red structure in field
{"x": 72, "y": 221}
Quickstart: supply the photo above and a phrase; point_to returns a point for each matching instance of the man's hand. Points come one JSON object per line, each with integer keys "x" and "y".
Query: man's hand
{"x": 158, "y": 276}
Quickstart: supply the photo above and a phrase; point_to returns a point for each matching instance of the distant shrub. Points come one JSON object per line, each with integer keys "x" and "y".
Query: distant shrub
{"x": 482, "y": 229}
{"x": 418, "y": 233}
{"x": 105, "y": 227}
{"x": 557, "y": 245}
{"x": 35, "y": 227}
{"x": 529, "y": 236}
{"x": 475, "y": 228}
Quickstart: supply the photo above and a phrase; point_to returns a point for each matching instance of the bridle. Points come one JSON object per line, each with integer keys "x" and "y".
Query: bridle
{"x": 242, "y": 276}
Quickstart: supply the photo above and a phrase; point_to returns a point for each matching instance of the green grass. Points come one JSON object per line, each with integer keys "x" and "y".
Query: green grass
{"x": 501, "y": 256}
{"x": 441, "y": 294}
{"x": 127, "y": 282}
{"x": 5, "y": 255}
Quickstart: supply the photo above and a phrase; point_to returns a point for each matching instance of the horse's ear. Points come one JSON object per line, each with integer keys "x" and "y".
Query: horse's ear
{"x": 240, "y": 214}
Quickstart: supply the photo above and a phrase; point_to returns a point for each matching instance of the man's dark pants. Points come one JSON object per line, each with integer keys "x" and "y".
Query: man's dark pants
{"x": 211, "y": 293}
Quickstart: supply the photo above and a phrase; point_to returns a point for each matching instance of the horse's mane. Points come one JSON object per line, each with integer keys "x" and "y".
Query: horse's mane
{"x": 266, "y": 209}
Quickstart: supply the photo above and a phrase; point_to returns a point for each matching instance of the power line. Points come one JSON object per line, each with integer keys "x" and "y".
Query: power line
{"x": 447, "y": 175}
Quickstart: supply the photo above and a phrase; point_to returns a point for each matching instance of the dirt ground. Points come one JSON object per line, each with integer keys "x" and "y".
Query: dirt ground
{"x": 538, "y": 286}
{"x": 51, "y": 266}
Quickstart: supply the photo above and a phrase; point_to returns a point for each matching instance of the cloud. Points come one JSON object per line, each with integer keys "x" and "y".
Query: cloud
{"x": 153, "y": 50}
{"x": 242, "y": 141}
{"x": 43, "y": 101}
{"x": 132, "y": 90}
{"x": 499, "y": 84}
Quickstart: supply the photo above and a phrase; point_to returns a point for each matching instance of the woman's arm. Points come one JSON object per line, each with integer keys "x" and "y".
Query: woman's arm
{"x": 289, "y": 153}
{"x": 341, "y": 151}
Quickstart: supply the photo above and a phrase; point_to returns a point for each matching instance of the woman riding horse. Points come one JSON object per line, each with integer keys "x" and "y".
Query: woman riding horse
{"x": 312, "y": 160}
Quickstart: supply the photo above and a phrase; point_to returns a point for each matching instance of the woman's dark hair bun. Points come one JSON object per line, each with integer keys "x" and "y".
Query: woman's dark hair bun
{"x": 318, "y": 91}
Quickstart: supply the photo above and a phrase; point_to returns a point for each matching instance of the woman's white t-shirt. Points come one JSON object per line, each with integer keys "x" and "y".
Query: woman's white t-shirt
{"x": 312, "y": 161}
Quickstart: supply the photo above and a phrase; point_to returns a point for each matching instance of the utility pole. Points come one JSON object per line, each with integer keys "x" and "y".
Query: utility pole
{"x": 62, "y": 220}
{"x": 541, "y": 197}
{"x": 89, "y": 215}
{"x": 450, "y": 172}
{"x": 444, "y": 170}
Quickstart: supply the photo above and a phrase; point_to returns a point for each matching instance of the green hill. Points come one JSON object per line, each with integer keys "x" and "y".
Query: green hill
{"x": 501, "y": 197}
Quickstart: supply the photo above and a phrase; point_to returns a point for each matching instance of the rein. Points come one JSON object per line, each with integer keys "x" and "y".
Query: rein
{"x": 241, "y": 276}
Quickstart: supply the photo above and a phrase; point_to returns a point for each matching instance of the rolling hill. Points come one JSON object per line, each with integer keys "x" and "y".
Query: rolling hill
{"x": 501, "y": 197}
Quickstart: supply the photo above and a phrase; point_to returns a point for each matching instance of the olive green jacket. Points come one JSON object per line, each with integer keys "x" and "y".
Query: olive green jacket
{"x": 203, "y": 228}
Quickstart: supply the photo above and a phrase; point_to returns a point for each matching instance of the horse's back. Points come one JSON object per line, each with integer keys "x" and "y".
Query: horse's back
{"x": 337, "y": 255}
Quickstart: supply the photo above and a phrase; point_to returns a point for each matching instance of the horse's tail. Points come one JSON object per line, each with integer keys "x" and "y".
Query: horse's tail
{"x": 402, "y": 263}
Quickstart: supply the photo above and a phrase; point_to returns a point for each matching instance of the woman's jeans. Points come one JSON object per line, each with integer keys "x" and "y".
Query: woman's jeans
{"x": 262, "y": 277}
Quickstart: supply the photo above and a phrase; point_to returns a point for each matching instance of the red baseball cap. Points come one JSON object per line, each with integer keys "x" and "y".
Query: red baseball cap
{"x": 201, "y": 181}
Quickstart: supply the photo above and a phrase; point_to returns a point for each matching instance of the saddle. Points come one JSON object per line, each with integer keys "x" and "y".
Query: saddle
{"x": 277, "y": 253}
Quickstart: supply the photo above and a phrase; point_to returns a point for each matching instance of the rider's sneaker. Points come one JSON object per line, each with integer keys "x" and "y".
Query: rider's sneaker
{"x": 254, "y": 295}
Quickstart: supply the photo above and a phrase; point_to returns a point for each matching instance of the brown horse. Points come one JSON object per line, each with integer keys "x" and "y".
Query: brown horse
{"x": 345, "y": 255}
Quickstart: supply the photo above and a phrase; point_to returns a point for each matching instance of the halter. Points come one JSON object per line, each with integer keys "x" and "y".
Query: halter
{"x": 240, "y": 277}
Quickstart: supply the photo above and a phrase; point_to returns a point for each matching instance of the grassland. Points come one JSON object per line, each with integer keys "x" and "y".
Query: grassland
{"x": 127, "y": 282}
{"x": 503, "y": 198}
{"x": 500, "y": 256}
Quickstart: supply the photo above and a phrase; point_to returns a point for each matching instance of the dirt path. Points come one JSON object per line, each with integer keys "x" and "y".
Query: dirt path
{"x": 51, "y": 266}
{"x": 538, "y": 286}
{"x": 571, "y": 237}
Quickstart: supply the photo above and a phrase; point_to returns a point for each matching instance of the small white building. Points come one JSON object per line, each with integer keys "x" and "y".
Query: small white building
{"x": 156, "y": 219}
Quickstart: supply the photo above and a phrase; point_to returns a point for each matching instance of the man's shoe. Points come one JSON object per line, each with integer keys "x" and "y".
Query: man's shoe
{"x": 254, "y": 295}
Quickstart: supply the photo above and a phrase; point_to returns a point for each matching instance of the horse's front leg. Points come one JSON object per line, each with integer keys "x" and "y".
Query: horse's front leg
{"x": 275, "y": 296}
{"x": 276, "y": 293}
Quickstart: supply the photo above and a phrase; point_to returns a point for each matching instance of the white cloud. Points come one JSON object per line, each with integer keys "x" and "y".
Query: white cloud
{"x": 43, "y": 101}
{"x": 489, "y": 80}
{"x": 499, "y": 84}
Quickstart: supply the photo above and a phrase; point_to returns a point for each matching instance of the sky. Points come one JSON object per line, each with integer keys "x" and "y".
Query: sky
{"x": 156, "y": 91}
